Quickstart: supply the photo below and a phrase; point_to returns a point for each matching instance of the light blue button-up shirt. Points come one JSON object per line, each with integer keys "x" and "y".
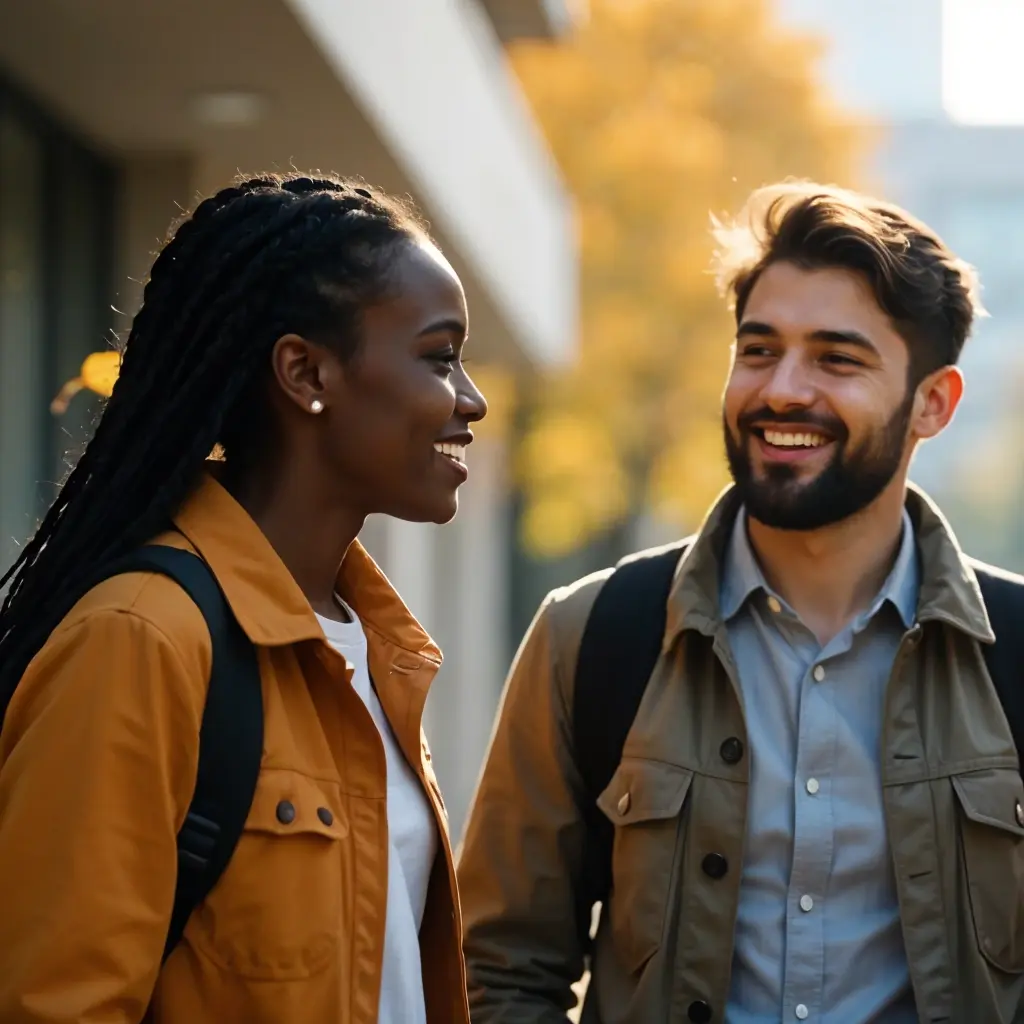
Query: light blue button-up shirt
{"x": 818, "y": 930}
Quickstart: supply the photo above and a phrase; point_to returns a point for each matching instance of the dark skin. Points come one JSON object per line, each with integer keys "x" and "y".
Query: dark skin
{"x": 371, "y": 446}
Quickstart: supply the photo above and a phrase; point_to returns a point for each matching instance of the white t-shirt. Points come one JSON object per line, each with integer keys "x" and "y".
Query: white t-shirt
{"x": 412, "y": 844}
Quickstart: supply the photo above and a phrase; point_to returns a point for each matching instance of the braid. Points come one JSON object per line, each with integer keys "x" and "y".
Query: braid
{"x": 267, "y": 256}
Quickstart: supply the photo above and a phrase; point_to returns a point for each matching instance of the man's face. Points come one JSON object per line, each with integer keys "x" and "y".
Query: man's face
{"x": 817, "y": 411}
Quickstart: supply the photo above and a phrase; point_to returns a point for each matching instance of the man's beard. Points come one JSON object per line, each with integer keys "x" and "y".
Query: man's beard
{"x": 850, "y": 482}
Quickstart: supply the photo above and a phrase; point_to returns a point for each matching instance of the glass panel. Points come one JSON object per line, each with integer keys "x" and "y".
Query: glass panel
{"x": 79, "y": 320}
{"x": 22, "y": 348}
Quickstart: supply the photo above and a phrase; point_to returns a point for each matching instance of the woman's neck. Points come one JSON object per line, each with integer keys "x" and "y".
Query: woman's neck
{"x": 307, "y": 527}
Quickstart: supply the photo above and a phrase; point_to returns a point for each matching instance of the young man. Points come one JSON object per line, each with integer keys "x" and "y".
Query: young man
{"x": 817, "y": 813}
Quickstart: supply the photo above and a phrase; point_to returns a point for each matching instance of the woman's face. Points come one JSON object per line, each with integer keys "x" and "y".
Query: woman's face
{"x": 396, "y": 418}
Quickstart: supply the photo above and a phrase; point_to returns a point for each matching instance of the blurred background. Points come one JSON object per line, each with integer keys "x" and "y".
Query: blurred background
{"x": 569, "y": 155}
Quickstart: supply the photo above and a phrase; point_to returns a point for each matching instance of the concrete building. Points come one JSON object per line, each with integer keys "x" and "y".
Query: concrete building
{"x": 113, "y": 114}
{"x": 884, "y": 61}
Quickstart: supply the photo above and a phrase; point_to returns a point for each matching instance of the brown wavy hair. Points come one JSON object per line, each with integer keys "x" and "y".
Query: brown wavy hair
{"x": 931, "y": 296}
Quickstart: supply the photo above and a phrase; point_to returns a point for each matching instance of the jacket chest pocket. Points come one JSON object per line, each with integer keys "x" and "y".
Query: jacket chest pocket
{"x": 992, "y": 832}
{"x": 644, "y": 802}
{"x": 277, "y": 913}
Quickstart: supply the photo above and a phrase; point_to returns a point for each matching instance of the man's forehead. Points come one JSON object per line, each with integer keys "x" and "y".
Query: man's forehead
{"x": 793, "y": 299}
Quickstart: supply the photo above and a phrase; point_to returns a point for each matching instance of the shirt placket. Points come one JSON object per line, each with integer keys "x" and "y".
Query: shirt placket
{"x": 813, "y": 840}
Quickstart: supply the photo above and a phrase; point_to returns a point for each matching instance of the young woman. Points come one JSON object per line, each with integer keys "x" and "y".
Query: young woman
{"x": 308, "y": 331}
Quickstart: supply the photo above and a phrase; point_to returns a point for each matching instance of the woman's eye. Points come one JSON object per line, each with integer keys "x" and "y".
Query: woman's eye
{"x": 447, "y": 359}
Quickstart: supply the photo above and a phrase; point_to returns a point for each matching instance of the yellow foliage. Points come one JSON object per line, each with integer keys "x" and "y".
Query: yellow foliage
{"x": 98, "y": 373}
{"x": 660, "y": 113}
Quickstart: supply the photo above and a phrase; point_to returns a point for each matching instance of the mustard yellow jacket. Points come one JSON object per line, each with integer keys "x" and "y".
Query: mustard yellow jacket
{"x": 97, "y": 767}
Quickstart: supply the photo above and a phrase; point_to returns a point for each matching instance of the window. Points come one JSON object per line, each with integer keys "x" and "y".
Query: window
{"x": 56, "y": 222}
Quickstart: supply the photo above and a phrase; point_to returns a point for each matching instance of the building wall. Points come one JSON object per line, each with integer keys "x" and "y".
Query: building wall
{"x": 440, "y": 93}
{"x": 153, "y": 190}
{"x": 884, "y": 60}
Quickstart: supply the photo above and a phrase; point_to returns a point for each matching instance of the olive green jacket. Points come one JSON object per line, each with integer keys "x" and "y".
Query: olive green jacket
{"x": 953, "y": 804}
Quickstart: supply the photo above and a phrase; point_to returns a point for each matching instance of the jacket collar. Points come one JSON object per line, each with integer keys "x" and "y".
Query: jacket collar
{"x": 948, "y": 591}
{"x": 264, "y": 597}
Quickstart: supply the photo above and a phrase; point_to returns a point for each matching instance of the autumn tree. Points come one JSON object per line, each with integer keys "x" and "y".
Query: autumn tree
{"x": 660, "y": 113}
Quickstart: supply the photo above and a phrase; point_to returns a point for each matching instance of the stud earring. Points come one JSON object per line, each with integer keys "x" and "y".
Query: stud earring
{"x": 316, "y": 406}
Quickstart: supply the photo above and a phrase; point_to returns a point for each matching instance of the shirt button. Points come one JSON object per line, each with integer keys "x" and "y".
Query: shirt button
{"x": 774, "y": 605}
{"x": 731, "y": 751}
{"x": 819, "y": 674}
{"x": 699, "y": 1012}
{"x": 813, "y": 786}
{"x": 806, "y": 904}
{"x": 325, "y": 815}
{"x": 623, "y": 804}
{"x": 286, "y": 812}
{"x": 801, "y": 1011}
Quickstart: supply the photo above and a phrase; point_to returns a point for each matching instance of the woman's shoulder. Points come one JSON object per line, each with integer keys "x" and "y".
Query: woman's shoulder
{"x": 151, "y": 604}
{"x": 134, "y": 648}
{"x": 132, "y": 624}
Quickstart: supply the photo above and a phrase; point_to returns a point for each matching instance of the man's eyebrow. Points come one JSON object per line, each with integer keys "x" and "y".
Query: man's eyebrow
{"x": 756, "y": 327}
{"x": 824, "y": 336}
{"x": 854, "y": 338}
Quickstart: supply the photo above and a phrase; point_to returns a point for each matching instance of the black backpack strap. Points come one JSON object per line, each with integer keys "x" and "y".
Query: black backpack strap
{"x": 1004, "y": 599}
{"x": 230, "y": 736}
{"x": 618, "y": 651}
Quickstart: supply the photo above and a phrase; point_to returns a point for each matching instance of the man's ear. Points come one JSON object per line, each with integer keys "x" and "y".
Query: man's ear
{"x": 936, "y": 401}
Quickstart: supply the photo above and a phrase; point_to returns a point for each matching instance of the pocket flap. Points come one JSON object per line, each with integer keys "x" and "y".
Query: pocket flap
{"x": 993, "y": 797}
{"x": 644, "y": 791}
{"x": 289, "y": 803}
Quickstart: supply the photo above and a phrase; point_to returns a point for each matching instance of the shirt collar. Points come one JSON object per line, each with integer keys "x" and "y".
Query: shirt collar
{"x": 948, "y": 590}
{"x": 742, "y": 575}
{"x": 266, "y": 600}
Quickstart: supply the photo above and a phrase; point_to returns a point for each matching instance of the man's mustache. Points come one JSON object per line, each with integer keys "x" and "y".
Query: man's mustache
{"x": 832, "y": 426}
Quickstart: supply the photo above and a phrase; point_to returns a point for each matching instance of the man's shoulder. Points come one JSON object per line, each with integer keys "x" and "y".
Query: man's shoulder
{"x": 981, "y": 568}
{"x": 567, "y": 608}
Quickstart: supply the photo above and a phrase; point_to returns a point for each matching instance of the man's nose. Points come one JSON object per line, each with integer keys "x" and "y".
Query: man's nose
{"x": 789, "y": 385}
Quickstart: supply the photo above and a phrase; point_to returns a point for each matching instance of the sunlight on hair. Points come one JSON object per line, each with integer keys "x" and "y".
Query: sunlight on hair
{"x": 740, "y": 240}
{"x": 736, "y": 244}
{"x": 982, "y": 73}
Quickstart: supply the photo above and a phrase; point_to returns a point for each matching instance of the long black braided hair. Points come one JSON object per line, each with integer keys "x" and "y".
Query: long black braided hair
{"x": 267, "y": 256}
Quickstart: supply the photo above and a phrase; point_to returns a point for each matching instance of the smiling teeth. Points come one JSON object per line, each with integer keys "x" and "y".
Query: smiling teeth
{"x": 455, "y": 452}
{"x": 786, "y": 440}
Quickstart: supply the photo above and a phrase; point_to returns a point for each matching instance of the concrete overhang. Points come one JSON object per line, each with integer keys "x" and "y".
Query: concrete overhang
{"x": 534, "y": 19}
{"x": 413, "y": 96}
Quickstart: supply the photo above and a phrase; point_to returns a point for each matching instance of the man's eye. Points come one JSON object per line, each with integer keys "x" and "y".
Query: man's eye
{"x": 755, "y": 351}
{"x": 839, "y": 359}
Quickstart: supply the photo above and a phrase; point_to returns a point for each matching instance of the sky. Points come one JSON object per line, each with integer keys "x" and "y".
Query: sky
{"x": 983, "y": 65}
